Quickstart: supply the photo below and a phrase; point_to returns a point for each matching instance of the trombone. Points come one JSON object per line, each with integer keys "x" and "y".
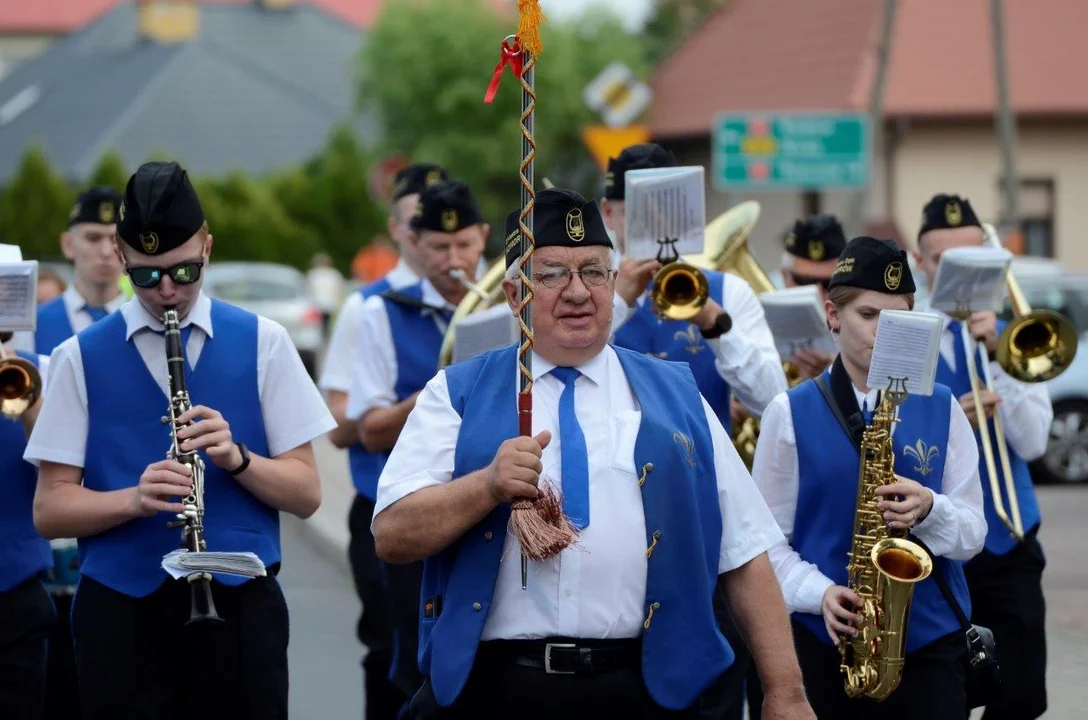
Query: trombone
{"x": 1036, "y": 346}
{"x": 20, "y": 384}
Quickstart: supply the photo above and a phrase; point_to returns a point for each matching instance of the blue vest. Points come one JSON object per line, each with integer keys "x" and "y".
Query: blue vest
{"x": 417, "y": 341}
{"x": 125, "y": 434}
{"x": 681, "y": 341}
{"x": 53, "y": 326}
{"x": 683, "y": 650}
{"x": 364, "y": 465}
{"x": 23, "y": 552}
{"x": 828, "y": 490}
{"x": 998, "y": 538}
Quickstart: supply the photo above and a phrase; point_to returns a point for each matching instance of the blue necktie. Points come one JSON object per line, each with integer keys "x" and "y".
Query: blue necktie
{"x": 572, "y": 448}
{"x": 959, "y": 350}
{"x": 866, "y": 412}
{"x": 185, "y": 332}
{"x": 96, "y": 313}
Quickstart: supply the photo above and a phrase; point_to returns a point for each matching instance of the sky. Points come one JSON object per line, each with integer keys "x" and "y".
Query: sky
{"x": 634, "y": 12}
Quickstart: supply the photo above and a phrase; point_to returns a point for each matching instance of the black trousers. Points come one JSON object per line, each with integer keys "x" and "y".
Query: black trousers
{"x": 61, "y": 684}
{"x": 402, "y": 587}
{"x": 932, "y": 687}
{"x": 1007, "y": 597}
{"x": 136, "y": 658}
{"x": 26, "y": 616}
{"x": 375, "y": 630}
{"x": 724, "y": 699}
{"x": 498, "y": 689}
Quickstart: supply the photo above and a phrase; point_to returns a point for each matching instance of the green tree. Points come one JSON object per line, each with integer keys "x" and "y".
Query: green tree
{"x": 425, "y": 67}
{"x": 111, "y": 171}
{"x": 671, "y": 22}
{"x": 34, "y": 206}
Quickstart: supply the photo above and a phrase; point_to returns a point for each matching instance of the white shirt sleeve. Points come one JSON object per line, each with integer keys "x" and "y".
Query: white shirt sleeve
{"x": 1025, "y": 411}
{"x": 292, "y": 408}
{"x": 374, "y": 368}
{"x": 746, "y": 356}
{"x": 776, "y": 475}
{"x": 424, "y": 453}
{"x": 60, "y": 434}
{"x": 956, "y": 526}
{"x": 620, "y": 312}
{"x": 748, "y": 527}
{"x": 343, "y": 345}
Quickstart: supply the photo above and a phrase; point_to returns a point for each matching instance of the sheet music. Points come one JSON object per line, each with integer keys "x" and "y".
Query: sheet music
{"x": 907, "y": 344}
{"x": 485, "y": 330}
{"x": 970, "y": 279}
{"x": 180, "y": 563}
{"x": 664, "y": 207}
{"x": 797, "y": 320}
{"x": 18, "y": 295}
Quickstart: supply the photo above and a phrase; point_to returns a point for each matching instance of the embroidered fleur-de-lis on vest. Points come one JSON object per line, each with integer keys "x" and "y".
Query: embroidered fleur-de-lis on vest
{"x": 695, "y": 344}
{"x": 922, "y": 454}
{"x": 687, "y": 444}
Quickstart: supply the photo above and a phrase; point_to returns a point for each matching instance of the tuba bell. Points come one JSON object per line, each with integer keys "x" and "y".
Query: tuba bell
{"x": 20, "y": 385}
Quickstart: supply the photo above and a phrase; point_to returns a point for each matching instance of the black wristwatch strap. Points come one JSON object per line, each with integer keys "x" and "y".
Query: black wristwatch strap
{"x": 245, "y": 460}
{"x": 722, "y": 324}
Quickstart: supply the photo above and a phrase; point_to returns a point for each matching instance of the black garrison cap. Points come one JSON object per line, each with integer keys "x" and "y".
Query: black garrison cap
{"x": 414, "y": 179}
{"x": 947, "y": 211}
{"x": 561, "y": 218}
{"x": 643, "y": 156}
{"x": 446, "y": 206}
{"x": 160, "y": 210}
{"x": 873, "y": 264}
{"x": 819, "y": 239}
{"x": 95, "y": 205}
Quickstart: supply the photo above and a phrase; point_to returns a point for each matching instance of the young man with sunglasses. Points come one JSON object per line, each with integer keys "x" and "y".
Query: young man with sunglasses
{"x": 812, "y": 251}
{"x": 100, "y": 444}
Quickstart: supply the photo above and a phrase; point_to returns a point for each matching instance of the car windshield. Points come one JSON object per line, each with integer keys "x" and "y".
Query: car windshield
{"x": 247, "y": 284}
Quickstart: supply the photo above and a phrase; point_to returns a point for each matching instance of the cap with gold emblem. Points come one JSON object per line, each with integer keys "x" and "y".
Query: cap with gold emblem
{"x": 414, "y": 179}
{"x": 818, "y": 239}
{"x": 947, "y": 211}
{"x": 872, "y": 264}
{"x": 160, "y": 210}
{"x": 561, "y": 218}
{"x": 644, "y": 156}
{"x": 95, "y": 205}
{"x": 446, "y": 207}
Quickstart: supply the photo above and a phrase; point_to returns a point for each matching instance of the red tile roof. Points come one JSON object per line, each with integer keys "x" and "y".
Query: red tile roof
{"x": 789, "y": 55}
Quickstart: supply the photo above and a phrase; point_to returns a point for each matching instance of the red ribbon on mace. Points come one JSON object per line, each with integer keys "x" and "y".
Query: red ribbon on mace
{"x": 511, "y": 55}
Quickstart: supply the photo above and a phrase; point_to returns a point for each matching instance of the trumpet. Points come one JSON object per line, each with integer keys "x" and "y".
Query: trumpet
{"x": 20, "y": 385}
{"x": 1036, "y": 346}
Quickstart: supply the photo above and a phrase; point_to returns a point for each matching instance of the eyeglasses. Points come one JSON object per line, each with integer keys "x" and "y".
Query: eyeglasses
{"x": 185, "y": 273}
{"x": 559, "y": 278}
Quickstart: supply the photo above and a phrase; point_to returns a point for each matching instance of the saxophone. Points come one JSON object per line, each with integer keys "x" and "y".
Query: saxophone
{"x": 191, "y": 519}
{"x": 883, "y": 567}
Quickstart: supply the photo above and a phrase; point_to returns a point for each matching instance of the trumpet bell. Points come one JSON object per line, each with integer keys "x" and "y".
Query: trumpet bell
{"x": 20, "y": 386}
{"x": 679, "y": 290}
{"x": 1037, "y": 347}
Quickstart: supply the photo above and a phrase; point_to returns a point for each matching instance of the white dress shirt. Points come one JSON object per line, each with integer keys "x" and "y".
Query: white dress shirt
{"x": 374, "y": 373}
{"x": 78, "y": 317}
{"x": 1025, "y": 410}
{"x": 955, "y": 527}
{"x": 291, "y": 406}
{"x": 346, "y": 343}
{"x": 746, "y": 356}
{"x": 597, "y": 589}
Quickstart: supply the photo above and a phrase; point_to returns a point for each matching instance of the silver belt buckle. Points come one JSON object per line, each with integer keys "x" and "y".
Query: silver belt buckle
{"x": 548, "y": 658}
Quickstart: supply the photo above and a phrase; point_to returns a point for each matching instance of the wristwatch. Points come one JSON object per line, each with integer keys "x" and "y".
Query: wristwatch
{"x": 245, "y": 460}
{"x": 722, "y": 324}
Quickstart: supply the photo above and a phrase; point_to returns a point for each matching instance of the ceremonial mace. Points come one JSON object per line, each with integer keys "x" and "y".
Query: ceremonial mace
{"x": 540, "y": 527}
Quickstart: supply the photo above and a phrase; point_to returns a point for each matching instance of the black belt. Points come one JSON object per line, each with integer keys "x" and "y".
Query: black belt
{"x": 572, "y": 657}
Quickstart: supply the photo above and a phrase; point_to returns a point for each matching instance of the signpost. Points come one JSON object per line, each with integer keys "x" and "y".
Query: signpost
{"x": 795, "y": 151}
{"x": 618, "y": 97}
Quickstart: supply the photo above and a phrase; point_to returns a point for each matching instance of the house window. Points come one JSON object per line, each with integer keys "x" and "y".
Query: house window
{"x": 1037, "y": 216}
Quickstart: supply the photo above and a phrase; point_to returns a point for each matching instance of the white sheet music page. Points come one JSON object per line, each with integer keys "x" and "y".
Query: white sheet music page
{"x": 797, "y": 320}
{"x": 970, "y": 279}
{"x": 907, "y": 344}
{"x": 486, "y": 330}
{"x": 664, "y": 212}
{"x": 18, "y": 290}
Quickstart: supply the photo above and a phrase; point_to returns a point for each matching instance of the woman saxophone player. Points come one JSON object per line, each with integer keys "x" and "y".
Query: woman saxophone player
{"x": 807, "y": 467}
{"x": 101, "y": 445}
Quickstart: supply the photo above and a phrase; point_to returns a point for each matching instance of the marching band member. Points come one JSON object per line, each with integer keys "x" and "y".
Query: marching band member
{"x": 406, "y": 328}
{"x": 100, "y": 444}
{"x": 1006, "y": 578}
{"x": 621, "y": 624}
{"x": 346, "y": 346}
{"x": 812, "y": 251}
{"x": 807, "y": 467}
{"x": 728, "y": 345}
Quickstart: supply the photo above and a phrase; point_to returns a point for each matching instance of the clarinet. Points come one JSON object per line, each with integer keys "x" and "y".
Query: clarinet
{"x": 191, "y": 519}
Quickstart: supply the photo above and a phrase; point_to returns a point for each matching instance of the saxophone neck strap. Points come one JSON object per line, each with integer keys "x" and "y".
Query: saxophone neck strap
{"x": 942, "y": 583}
{"x": 839, "y": 396}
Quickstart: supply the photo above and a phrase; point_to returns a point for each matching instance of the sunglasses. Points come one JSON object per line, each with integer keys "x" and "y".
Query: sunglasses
{"x": 805, "y": 280}
{"x": 185, "y": 273}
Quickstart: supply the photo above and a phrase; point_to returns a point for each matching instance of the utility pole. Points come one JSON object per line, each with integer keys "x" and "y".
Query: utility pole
{"x": 860, "y": 200}
{"x": 1006, "y": 124}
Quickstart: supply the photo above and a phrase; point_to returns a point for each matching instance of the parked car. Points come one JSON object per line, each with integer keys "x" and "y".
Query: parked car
{"x": 278, "y": 292}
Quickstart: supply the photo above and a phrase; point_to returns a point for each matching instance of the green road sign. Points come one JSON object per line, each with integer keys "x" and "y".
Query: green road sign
{"x": 805, "y": 151}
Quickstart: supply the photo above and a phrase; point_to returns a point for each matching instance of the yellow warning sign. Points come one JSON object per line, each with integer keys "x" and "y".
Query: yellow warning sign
{"x": 607, "y": 142}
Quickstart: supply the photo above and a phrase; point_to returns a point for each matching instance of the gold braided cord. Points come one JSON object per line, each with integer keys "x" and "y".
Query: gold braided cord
{"x": 525, "y": 176}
